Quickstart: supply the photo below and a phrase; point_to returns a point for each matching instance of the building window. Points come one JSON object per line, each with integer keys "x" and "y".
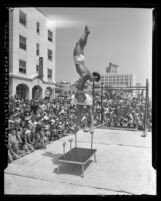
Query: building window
{"x": 50, "y": 35}
{"x": 49, "y": 73}
{"x": 22, "y": 18}
{"x": 37, "y": 49}
{"x": 22, "y": 66}
{"x": 22, "y": 42}
{"x": 37, "y": 68}
{"x": 38, "y": 27}
{"x": 49, "y": 54}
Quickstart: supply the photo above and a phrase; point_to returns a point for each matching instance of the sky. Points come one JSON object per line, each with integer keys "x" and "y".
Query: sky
{"x": 122, "y": 36}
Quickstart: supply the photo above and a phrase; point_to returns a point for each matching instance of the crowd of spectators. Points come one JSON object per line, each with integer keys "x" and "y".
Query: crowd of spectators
{"x": 127, "y": 112}
{"x": 35, "y": 123}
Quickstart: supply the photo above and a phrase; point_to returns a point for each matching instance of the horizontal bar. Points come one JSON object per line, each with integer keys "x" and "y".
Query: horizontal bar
{"x": 121, "y": 87}
{"x": 130, "y": 89}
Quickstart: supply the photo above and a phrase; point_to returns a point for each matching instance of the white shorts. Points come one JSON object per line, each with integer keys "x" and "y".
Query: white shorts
{"x": 79, "y": 59}
{"x": 88, "y": 100}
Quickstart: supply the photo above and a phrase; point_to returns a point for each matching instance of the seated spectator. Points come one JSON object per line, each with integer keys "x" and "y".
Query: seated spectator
{"x": 33, "y": 132}
{"x": 19, "y": 134}
{"x": 13, "y": 145}
{"x": 46, "y": 127}
{"x": 38, "y": 143}
{"x": 28, "y": 137}
{"x": 43, "y": 138}
{"x": 54, "y": 134}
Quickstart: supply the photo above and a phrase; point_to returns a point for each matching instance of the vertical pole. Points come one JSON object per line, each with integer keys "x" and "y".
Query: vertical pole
{"x": 101, "y": 102}
{"x": 92, "y": 115}
{"x": 93, "y": 97}
{"x": 146, "y": 106}
{"x": 64, "y": 148}
{"x": 70, "y": 146}
{"x": 91, "y": 140}
{"x": 76, "y": 139}
{"x": 70, "y": 141}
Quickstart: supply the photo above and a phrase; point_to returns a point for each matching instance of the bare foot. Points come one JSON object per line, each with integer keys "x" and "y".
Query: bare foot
{"x": 87, "y": 29}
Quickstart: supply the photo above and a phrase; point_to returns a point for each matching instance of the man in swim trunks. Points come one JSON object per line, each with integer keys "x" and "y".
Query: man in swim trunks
{"x": 79, "y": 59}
{"x": 81, "y": 97}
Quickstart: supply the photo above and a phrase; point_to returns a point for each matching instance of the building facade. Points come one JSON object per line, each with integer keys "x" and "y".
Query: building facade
{"x": 113, "y": 78}
{"x": 32, "y": 44}
{"x": 65, "y": 88}
{"x": 112, "y": 68}
{"x": 118, "y": 80}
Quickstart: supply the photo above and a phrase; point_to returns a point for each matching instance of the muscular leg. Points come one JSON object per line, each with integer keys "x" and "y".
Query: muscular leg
{"x": 81, "y": 43}
{"x": 80, "y": 67}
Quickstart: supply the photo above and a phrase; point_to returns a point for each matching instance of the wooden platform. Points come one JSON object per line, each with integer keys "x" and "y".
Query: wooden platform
{"x": 78, "y": 156}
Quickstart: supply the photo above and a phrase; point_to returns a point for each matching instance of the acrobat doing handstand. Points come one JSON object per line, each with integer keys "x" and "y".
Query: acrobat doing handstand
{"x": 83, "y": 98}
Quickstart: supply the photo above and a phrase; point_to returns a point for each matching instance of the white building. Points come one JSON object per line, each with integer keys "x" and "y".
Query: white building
{"x": 118, "y": 80}
{"x": 31, "y": 39}
{"x": 114, "y": 79}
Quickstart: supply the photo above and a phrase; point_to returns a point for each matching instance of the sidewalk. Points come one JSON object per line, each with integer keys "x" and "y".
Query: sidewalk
{"x": 123, "y": 167}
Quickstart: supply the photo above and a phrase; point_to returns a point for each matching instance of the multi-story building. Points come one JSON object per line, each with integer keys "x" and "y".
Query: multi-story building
{"x": 118, "y": 80}
{"x": 112, "y": 68}
{"x": 66, "y": 88}
{"x": 114, "y": 79}
{"x": 32, "y": 47}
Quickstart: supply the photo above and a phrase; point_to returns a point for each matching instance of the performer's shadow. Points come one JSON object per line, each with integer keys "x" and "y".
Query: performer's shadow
{"x": 73, "y": 169}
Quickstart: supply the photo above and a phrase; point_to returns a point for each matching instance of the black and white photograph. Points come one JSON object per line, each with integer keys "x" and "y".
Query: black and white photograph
{"x": 80, "y": 101}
